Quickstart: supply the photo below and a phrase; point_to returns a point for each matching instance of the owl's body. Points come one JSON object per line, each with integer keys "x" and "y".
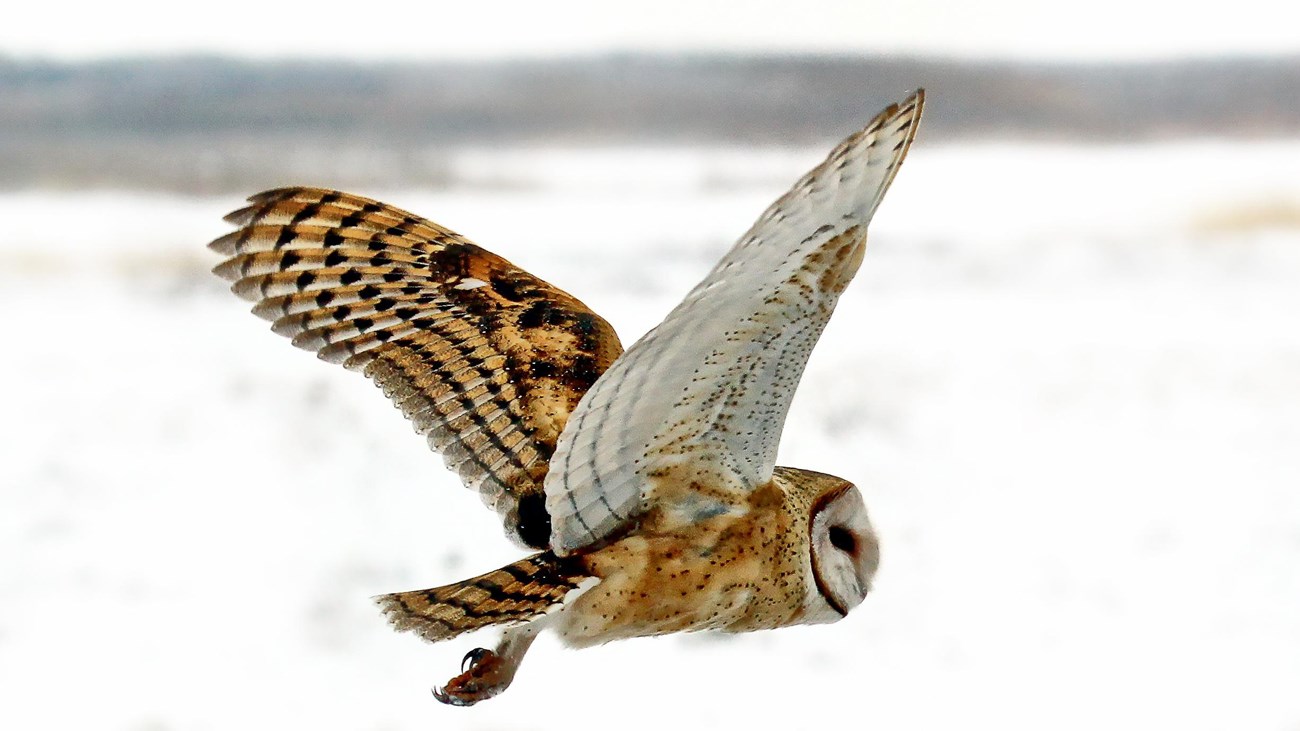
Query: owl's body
{"x": 646, "y": 479}
{"x": 705, "y": 568}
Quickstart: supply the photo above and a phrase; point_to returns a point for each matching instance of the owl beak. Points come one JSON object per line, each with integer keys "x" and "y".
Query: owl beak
{"x": 867, "y": 562}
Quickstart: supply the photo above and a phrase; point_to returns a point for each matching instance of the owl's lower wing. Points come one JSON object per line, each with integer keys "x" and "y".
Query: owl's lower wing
{"x": 485, "y": 359}
{"x": 705, "y": 394}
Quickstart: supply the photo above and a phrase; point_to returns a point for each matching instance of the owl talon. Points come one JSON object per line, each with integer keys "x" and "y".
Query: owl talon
{"x": 483, "y": 674}
{"x": 441, "y": 696}
{"x": 473, "y": 657}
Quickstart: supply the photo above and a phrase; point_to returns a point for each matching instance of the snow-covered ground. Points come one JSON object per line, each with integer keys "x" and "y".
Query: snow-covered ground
{"x": 1067, "y": 380}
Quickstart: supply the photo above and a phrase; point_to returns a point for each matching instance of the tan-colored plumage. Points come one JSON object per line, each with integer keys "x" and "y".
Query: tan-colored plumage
{"x": 647, "y": 479}
{"x": 734, "y": 570}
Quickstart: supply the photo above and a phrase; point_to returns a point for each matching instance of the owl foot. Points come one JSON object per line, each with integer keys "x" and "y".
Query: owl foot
{"x": 485, "y": 673}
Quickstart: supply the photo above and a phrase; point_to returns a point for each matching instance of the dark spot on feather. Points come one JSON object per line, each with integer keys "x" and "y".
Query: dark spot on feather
{"x": 304, "y": 280}
{"x": 333, "y": 238}
{"x": 507, "y": 288}
{"x": 363, "y": 323}
{"x": 384, "y": 304}
{"x": 455, "y": 259}
{"x": 383, "y": 335}
{"x": 324, "y": 298}
{"x": 307, "y": 212}
{"x": 352, "y": 220}
{"x": 351, "y": 276}
{"x": 394, "y": 231}
{"x": 287, "y": 234}
{"x": 342, "y": 312}
{"x": 534, "y": 315}
{"x": 380, "y": 261}
{"x": 541, "y": 369}
{"x": 544, "y": 450}
{"x": 406, "y": 313}
{"x": 583, "y": 373}
{"x": 334, "y": 258}
{"x": 394, "y": 276}
{"x": 288, "y": 259}
{"x": 369, "y": 291}
{"x": 586, "y": 331}
{"x": 542, "y": 313}
{"x": 585, "y": 323}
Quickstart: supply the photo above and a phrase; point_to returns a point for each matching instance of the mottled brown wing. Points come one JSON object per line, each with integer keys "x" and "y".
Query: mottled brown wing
{"x": 485, "y": 359}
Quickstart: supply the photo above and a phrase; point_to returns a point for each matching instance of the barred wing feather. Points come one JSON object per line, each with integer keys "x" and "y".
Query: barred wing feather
{"x": 485, "y": 359}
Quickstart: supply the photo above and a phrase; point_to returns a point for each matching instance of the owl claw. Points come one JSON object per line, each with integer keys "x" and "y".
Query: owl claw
{"x": 483, "y": 675}
{"x": 441, "y": 696}
{"x": 472, "y": 657}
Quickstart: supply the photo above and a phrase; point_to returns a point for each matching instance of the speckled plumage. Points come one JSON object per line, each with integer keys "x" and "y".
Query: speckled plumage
{"x": 646, "y": 478}
{"x": 686, "y": 571}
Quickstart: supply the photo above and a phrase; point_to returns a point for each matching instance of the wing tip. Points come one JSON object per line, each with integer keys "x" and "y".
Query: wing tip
{"x": 273, "y": 195}
{"x": 912, "y": 109}
{"x": 227, "y": 244}
{"x": 908, "y": 111}
{"x": 242, "y": 216}
{"x": 881, "y": 144}
{"x": 230, "y": 270}
{"x": 915, "y": 99}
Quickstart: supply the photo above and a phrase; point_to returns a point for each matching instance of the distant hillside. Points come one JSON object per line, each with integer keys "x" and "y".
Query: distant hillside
{"x": 206, "y": 123}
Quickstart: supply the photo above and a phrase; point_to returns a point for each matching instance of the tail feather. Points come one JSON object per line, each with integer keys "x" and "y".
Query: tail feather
{"x": 512, "y": 594}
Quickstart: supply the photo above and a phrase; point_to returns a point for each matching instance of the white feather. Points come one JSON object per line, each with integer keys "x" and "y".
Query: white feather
{"x": 711, "y": 385}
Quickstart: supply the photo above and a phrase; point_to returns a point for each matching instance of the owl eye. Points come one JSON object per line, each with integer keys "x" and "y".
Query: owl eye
{"x": 842, "y": 539}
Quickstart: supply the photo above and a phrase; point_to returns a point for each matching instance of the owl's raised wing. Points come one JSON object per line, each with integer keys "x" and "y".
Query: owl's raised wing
{"x": 485, "y": 359}
{"x": 709, "y": 388}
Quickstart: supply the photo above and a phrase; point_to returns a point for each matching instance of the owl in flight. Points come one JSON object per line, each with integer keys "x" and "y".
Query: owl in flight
{"x": 645, "y": 480}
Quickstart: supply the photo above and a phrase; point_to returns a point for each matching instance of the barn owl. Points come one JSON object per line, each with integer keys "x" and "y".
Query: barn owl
{"x": 645, "y": 480}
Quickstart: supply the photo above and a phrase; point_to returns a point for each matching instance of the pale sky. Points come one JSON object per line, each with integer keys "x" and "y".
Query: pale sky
{"x": 381, "y": 29}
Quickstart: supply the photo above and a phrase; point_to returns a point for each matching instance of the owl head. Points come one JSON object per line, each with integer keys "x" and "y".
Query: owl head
{"x": 843, "y": 549}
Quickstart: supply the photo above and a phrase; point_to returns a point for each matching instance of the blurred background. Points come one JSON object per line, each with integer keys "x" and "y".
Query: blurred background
{"x": 1067, "y": 377}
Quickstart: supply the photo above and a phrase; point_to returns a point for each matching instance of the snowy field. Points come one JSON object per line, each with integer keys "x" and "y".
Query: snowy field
{"x": 1066, "y": 379}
